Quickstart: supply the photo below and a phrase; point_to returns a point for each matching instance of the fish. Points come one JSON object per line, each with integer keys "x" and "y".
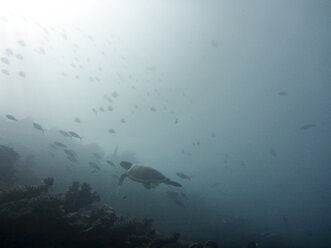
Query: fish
{"x": 64, "y": 133}
{"x": 69, "y": 153}
{"x": 19, "y": 56}
{"x": 111, "y": 130}
{"x": 22, "y": 43}
{"x": 108, "y": 98}
{"x": 11, "y": 117}
{"x": 75, "y": 135}
{"x": 282, "y": 93}
{"x": 77, "y": 120}
{"x": 153, "y": 109}
{"x": 52, "y": 146}
{"x": 285, "y": 219}
{"x": 4, "y": 71}
{"x": 214, "y": 43}
{"x": 213, "y": 135}
{"x": 110, "y": 108}
{"x": 38, "y": 127}
{"x": 22, "y": 74}
{"x": 273, "y": 152}
{"x": 307, "y": 126}
{"x": 59, "y": 144}
{"x": 115, "y": 152}
{"x": 123, "y": 120}
{"x": 98, "y": 156}
{"x": 101, "y": 109}
{"x": 9, "y": 52}
{"x": 95, "y": 111}
{"x": 124, "y": 197}
{"x": 72, "y": 159}
{"x": 114, "y": 94}
{"x": 110, "y": 163}
{"x": 40, "y": 50}
{"x": 151, "y": 68}
{"x": 183, "y": 195}
{"x": 265, "y": 234}
{"x": 184, "y": 176}
{"x": 225, "y": 221}
{"x": 5, "y": 60}
{"x": 4, "y": 19}
{"x": 94, "y": 166}
{"x": 174, "y": 196}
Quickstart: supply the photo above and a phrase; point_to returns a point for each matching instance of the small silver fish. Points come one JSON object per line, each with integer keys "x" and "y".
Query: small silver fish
{"x": 59, "y": 144}
{"x": 75, "y": 135}
{"x": 110, "y": 163}
{"x": 307, "y": 126}
{"x": 94, "y": 166}
{"x": 64, "y": 133}
{"x": 38, "y": 127}
{"x": 111, "y": 130}
{"x": 11, "y": 117}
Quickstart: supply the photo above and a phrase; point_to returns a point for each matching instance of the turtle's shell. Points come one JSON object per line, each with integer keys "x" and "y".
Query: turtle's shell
{"x": 145, "y": 174}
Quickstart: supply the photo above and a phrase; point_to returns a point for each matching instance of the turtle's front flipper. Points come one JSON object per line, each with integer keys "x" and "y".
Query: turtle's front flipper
{"x": 120, "y": 182}
{"x": 121, "y": 179}
{"x": 168, "y": 181}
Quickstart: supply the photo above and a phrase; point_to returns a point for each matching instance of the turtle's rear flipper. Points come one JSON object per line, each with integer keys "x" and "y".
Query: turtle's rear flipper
{"x": 150, "y": 185}
{"x": 147, "y": 185}
{"x": 168, "y": 181}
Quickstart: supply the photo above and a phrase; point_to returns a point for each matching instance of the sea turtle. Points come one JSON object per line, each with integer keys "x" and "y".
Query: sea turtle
{"x": 146, "y": 175}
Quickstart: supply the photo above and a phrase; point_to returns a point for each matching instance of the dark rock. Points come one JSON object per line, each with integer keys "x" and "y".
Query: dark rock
{"x": 210, "y": 244}
{"x": 195, "y": 245}
{"x": 8, "y": 157}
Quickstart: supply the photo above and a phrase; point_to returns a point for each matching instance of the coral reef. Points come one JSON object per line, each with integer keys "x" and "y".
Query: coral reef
{"x": 24, "y": 192}
{"x": 79, "y": 196}
{"x": 31, "y": 217}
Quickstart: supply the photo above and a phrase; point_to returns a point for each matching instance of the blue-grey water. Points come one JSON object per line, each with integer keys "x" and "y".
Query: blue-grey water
{"x": 234, "y": 94}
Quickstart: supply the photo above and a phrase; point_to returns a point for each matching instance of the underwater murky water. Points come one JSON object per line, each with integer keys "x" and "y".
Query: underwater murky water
{"x": 221, "y": 110}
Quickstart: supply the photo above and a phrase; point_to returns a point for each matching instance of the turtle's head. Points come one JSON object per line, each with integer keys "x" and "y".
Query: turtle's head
{"x": 126, "y": 165}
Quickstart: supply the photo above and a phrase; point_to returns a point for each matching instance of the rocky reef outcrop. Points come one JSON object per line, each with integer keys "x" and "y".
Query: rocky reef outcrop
{"x": 31, "y": 217}
{"x": 8, "y": 157}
